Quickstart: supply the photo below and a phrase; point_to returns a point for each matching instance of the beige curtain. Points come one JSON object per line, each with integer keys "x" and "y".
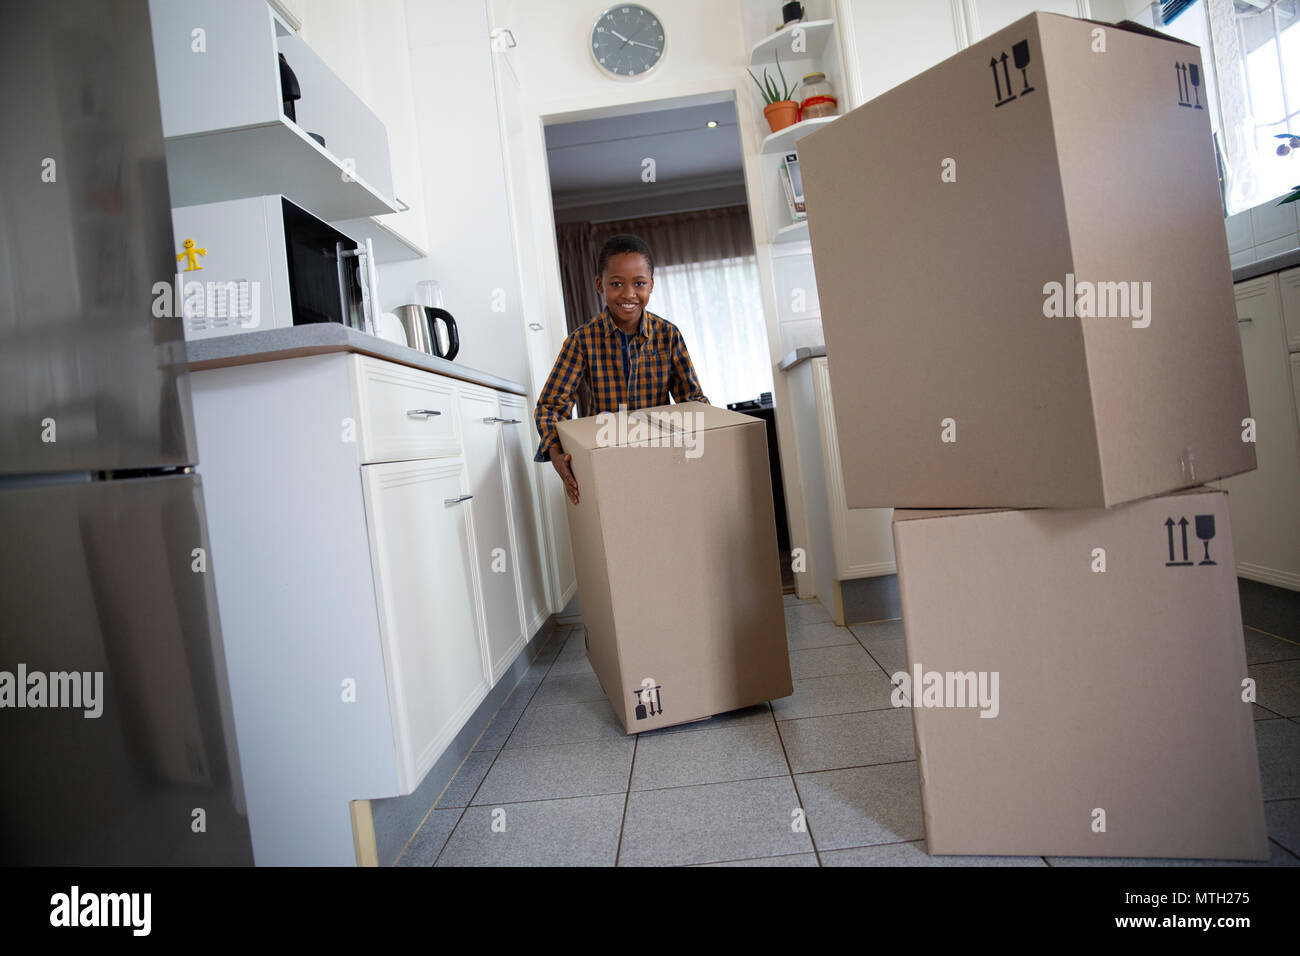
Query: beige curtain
{"x": 674, "y": 239}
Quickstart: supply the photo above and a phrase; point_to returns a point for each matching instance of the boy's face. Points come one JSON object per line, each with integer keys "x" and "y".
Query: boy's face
{"x": 626, "y": 284}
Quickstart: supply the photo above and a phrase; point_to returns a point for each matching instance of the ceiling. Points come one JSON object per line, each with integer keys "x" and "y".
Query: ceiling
{"x": 596, "y": 160}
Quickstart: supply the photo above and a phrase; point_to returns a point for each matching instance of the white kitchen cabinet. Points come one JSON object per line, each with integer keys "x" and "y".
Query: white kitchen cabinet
{"x": 523, "y": 513}
{"x": 1265, "y": 503}
{"x": 1289, "y": 288}
{"x": 497, "y": 562}
{"x": 366, "y": 43}
{"x": 843, "y": 543}
{"x": 423, "y": 551}
{"x": 350, "y": 579}
{"x": 520, "y": 135}
{"x": 225, "y": 131}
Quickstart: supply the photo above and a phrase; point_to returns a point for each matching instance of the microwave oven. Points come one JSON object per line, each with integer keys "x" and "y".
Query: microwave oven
{"x": 247, "y": 265}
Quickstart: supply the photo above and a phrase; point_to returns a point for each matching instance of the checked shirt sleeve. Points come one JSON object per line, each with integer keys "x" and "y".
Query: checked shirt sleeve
{"x": 557, "y": 397}
{"x": 683, "y": 384}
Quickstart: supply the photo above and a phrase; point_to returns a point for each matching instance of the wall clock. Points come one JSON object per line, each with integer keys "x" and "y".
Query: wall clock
{"x": 627, "y": 41}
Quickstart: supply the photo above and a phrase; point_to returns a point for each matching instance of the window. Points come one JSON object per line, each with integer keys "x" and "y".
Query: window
{"x": 719, "y": 309}
{"x": 1251, "y": 53}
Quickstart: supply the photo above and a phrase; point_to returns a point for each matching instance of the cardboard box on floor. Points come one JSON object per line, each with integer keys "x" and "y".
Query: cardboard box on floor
{"x": 674, "y": 540}
{"x": 940, "y": 212}
{"x": 1119, "y": 692}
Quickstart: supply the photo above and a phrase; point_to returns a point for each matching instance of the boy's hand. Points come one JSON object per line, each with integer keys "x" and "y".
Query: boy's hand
{"x": 561, "y": 462}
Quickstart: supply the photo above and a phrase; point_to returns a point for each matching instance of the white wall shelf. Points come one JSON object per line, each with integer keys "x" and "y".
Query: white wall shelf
{"x": 783, "y": 140}
{"x": 816, "y": 33}
{"x": 389, "y": 244}
{"x": 224, "y": 128}
{"x": 278, "y": 157}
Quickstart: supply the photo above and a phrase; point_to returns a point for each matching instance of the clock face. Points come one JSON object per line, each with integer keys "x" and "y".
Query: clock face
{"x": 627, "y": 40}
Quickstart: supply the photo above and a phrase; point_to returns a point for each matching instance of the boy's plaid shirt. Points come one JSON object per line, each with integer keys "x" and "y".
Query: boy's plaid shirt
{"x": 660, "y": 366}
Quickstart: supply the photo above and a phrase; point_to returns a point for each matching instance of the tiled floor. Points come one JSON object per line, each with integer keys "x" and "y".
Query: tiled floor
{"x": 555, "y": 781}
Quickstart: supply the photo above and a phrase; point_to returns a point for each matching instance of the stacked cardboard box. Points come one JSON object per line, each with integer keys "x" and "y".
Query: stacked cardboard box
{"x": 674, "y": 539}
{"x": 1027, "y": 303}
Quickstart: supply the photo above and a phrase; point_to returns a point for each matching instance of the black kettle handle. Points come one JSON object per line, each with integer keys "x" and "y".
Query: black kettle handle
{"x": 453, "y": 337}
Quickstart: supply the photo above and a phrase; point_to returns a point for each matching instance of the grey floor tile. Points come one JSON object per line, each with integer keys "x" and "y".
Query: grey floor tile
{"x": 467, "y": 779}
{"x": 568, "y": 689}
{"x": 1278, "y": 743}
{"x": 849, "y": 740}
{"x": 1263, "y": 648}
{"x": 503, "y": 723}
{"x": 570, "y": 666}
{"x": 862, "y": 806}
{"x": 822, "y": 634}
{"x": 565, "y": 724}
{"x": 843, "y": 694}
{"x": 579, "y": 831}
{"x": 583, "y": 769}
{"x": 830, "y": 661}
{"x": 758, "y": 714}
{"x": 808, "y": 612}
{"x": 429, "y": 839}
{"x": 1277, "y": 686}
{"x": 914, "y": 854}
{"x": 794, "y": 859}
{"x": 878, "y": 631}
{"x": 789, "y": 599}
{"x": 741, "y": 751}
{"x": 1283, "y": 818}
{"x": 890, "y": 656}
{"x": 1263, "y": 713}
{"x": 746, "y": 819}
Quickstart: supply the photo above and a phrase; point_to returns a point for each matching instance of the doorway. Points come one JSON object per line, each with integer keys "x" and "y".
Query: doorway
{"x": 672, "y": 173}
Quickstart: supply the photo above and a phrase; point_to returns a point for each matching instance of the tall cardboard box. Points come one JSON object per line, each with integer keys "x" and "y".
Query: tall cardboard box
{"x": 1116, "y": 725}
{"x": 1054, "y": 151}
{"x": 674, "y": 540}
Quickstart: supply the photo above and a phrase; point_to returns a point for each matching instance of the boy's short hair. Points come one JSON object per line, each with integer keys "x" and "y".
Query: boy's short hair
{"x": 619, "y": 244}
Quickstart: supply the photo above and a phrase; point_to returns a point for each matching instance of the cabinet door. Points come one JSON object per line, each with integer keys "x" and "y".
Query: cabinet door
{"x": 497, "y": 565}
{"x": 523, "y": 512}
{"x": 1289, "y": 285}
{"x": 1264, "y": 506}
{"x": 422, "y": 553}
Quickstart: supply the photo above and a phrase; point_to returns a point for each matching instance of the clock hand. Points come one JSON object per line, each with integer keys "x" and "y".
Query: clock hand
{"x": 646, "y": 45}
{"x": 619, "y": 35}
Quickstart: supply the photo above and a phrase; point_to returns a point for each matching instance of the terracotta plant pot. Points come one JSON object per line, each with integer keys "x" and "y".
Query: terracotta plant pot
{"x": 781, "y": 114}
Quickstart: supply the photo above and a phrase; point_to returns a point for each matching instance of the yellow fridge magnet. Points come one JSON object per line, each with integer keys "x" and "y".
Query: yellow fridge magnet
{"x": 190, "y": 254}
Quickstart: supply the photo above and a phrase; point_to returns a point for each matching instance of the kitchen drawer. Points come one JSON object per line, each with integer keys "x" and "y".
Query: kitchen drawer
{"x": 402, "y": 413}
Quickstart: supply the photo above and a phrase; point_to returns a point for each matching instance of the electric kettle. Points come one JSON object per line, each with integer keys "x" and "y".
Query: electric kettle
{"x": 420, "y": 322}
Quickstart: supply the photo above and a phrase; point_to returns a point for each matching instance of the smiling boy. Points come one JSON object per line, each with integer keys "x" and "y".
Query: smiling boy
{"x": 628, "y": 356}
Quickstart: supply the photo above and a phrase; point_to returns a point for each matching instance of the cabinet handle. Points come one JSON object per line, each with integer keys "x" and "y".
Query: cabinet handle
{"x": 535, "y": 326}
{"x": 1246, "y": 319}
{"x": 426, "y": 412}
{"x": 404, "y": 207}
{"x": 492, "y": 420}
{"x": 456, "y": 500}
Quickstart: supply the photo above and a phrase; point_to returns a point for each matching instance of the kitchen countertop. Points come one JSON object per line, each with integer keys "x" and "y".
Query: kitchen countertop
{"x": 1262, "y": 268}
{"x": 271, "y": 345}
{"x": 801, "y": 355}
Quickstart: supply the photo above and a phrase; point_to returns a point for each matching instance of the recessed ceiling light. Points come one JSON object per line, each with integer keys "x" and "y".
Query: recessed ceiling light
{"x": 711, "y": 123}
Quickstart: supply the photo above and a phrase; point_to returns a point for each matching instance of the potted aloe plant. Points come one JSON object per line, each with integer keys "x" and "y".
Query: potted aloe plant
{"x": 781, "y": 111}
{"x": 1290, "y": 142}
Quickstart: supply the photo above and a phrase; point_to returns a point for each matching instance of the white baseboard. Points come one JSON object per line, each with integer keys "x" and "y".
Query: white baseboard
{"x": 1281, "y": 579}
